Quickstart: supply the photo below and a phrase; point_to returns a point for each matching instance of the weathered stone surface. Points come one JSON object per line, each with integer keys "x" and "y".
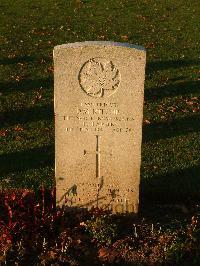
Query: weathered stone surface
{"x": 99, "y": 91}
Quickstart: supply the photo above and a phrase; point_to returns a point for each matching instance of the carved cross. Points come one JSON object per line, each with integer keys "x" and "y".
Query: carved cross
{"x": 98, "y": 153}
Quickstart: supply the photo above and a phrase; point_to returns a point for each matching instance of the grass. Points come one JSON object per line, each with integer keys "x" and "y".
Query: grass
{"x": 169, "y": 31}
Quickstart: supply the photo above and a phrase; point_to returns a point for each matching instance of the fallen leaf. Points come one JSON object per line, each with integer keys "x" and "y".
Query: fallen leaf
{"x": 52, "y": 254}
{"x": 50, "y": 69}
{"x": 189, "y": 102}
{"x": 141, "y": 17}
{"x": 83, "y": 224}
{"x": 18, "y": 128}
{"x": 38, "y": 97}
{"x": 147, "y": 122}
{"x": 124, "y": 37}
{"x": 3, "y": 132}
{"x": 150, "y": 45}
{"x": 107, "y": 254}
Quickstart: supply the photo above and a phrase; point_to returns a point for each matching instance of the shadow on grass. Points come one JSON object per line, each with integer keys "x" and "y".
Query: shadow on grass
{"x": 23, "y": 116}
{"x": 161, "y": 65}
{"x": 177, "y": 127}
{"x": 178, "y": 187}
{"x": 21, "y": 59}
{"x": 27, "y": 159}
{"x": 170, "y": 90}
{"x": 16, "y": 60}
{"x": 26, "y": 85}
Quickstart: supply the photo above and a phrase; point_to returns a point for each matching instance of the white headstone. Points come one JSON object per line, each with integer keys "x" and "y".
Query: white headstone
{"x": 99, "y": 92}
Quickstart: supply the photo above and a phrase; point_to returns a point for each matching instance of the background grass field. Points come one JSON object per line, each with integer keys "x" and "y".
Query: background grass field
{"x": 168, "y": 30}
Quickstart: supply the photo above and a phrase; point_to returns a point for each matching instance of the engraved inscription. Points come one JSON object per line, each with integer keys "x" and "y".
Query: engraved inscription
{"x": 98, "y": 117}
{"x": 99, "y": 77}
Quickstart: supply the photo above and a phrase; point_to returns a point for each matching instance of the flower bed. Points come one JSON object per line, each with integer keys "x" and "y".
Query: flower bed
{"x": 33, "y": 231}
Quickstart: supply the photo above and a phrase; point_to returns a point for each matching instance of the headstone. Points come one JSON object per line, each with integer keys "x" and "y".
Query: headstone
{"x": 99, "y": 91}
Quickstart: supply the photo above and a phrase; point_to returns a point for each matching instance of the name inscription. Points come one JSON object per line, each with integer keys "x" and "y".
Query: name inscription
{"x": 98, "y": 117}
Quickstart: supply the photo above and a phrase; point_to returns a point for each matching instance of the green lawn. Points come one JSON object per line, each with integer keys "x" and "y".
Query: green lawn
{"x": 167, "y": 29}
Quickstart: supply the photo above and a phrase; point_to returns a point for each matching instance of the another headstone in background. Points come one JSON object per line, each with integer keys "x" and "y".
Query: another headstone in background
{"x": 99, "y": 92}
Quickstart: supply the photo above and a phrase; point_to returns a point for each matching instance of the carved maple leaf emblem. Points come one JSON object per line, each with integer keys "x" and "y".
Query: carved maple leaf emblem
{"x": 99, "y": 77}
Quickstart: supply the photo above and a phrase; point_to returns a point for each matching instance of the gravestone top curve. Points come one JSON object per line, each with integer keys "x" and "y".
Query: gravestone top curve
{"x": 99, "y": 43}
